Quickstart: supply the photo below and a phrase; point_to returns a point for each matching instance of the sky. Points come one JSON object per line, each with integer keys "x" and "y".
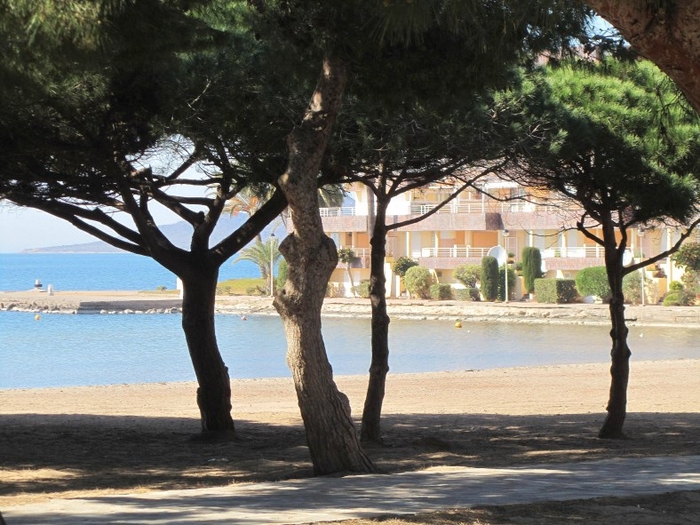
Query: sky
{"x": 22, "y": 228}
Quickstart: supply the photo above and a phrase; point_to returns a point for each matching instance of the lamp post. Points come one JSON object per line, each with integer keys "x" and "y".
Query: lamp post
{"x": 506, "y": 233}
{"x": 640, "y": 235}
{"x": 272, "y": 264}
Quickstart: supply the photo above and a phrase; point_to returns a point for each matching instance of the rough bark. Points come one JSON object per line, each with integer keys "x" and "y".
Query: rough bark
{"x": 379, "y": 367}
{"x": 620, "y": 353}
{"x": 311, "y": 256}
{"x": 668, "y": 34}
{"x": 214, "y": 387}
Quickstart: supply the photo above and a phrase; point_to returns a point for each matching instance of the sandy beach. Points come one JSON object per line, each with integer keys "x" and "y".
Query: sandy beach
{"x": 66, "y": 442}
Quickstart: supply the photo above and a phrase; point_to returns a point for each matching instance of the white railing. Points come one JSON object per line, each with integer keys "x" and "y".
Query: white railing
{"x": 575, "y": 251}
{"x": 469, "y": 251}
{"x": 456, "y": 251}
{"x": 464, "y": 206}
{"x": 345, "y": 211}
{"x": 477, "y": 206}
{"x": 359, "y": 252}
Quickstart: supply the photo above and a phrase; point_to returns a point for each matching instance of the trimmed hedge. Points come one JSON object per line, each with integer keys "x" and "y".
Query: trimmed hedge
{"x": 467, "y": 294}
{"x": 441, "y": 292}
{"x": 532, "y": 267}
{"x": 489, "y": 278}
{"x": 555, "y": 291}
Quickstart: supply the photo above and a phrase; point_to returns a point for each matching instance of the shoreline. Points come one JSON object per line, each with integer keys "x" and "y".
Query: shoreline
{"x": 135, "y": 302}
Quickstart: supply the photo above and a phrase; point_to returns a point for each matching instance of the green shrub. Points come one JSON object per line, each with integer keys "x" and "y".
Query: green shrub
{"x": 418, "y": 281}
{"x": 161, "y": 288}
{"x": 593, "y": 281}
{"x": 681, "y": 298}
{"x": 467, "y": 294}
{"x": 555, "y": 291}
{"x": 502, "y": 283}
{"x": 468, "y": 274}
{"x": 402, "y": 265}
{"x": 489, "y": 278}
{"x": 532, "y": 267}
{"x": 672, "y": 299}
{"x": 441, "y": 292}
{"x": 675, "y": 286}
{"x": 362, "y": 289}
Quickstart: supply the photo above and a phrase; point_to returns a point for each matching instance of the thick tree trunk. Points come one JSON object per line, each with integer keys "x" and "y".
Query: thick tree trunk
{"x": 379, "y": 367}
{"x": 214, "y": 387}
{"x": 311, "y": 256}
{"x": 668, "y": 36}
{"x": 620, "y": 353}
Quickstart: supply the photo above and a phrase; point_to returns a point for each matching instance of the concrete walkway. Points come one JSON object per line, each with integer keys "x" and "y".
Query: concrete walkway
{"x": 328, "y": 499}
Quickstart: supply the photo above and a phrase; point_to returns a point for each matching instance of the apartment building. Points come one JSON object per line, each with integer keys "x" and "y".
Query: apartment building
{"x": 499, "y": 213}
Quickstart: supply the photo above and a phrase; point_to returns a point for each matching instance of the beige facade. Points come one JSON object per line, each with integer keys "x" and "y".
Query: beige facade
{"x": 468, "y": 227}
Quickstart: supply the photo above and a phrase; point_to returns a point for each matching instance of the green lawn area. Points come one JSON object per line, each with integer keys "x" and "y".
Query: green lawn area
{"x": 242, "y": 287}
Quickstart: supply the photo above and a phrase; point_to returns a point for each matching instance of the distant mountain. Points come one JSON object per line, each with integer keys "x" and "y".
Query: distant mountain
{"x": 179, "y": 233}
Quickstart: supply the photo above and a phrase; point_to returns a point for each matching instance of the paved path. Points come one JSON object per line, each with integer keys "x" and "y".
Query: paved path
{"x": 327, "y": 499}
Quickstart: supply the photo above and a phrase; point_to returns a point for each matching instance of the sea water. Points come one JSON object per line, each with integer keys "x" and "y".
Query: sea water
{"x": 93, "y": 349}
{"x": 97, "y": 271}
{"x": 69, "y": 350}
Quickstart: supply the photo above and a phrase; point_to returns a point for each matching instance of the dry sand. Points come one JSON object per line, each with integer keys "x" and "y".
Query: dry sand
{"x": 62, "y": 442}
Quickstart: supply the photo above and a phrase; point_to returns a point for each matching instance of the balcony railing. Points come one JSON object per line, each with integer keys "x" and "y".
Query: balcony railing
{"x": 463, "y": 206}
{"x": 469, "y": 251}
{"x": 574, "y": 251}
{"x": 456, "y": 251}
{"x": 344, "y": 211}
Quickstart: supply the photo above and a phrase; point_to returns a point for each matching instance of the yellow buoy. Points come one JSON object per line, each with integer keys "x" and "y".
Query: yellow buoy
{"x": 37, "y": 317}
{"x": 458, "y": 324}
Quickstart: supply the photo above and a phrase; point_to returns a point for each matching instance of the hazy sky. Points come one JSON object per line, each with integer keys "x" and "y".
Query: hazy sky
{"x": 22, "y": 228}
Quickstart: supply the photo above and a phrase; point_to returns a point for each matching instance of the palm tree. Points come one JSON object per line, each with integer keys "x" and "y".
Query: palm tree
{"x": 264, "y": 254}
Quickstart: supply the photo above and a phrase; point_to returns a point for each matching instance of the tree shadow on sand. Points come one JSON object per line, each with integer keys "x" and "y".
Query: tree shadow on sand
{"x": 58, "y": 454}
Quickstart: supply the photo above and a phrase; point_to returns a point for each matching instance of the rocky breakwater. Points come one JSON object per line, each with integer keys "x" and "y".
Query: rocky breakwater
{"x": 512, "y": 312}
{"x": 89, "y": 302}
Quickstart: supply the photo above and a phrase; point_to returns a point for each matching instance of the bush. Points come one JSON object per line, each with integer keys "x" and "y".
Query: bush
{"x": 681, "y": 298}
{"x": 468, "y": 274}
{"x": 362, "y": 289}
{"x": 675, "y": 286}
{"x": 502, "y": 282}
{"x": 532, "y": 267}
{"x": 489, "y": 278}
{"x": 418, "y": 281}
{"x": 467, "y": 294}
{"x": 593, "y": 281}
{"x": 555, "y": 291}
{"x": 402, "y": 265}
{"x": 441, "y": 292}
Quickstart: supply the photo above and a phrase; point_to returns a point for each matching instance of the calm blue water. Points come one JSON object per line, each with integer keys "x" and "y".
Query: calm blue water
{"x": 68, "y": 350}
{"x": 96, "y": 271}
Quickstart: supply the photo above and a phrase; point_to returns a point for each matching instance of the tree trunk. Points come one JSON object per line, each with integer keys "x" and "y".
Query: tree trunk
{"x": 311, "y": 257}
{"x": 214, "y": 386}
{"x": 620, "y": 353}
{"x": 379, "y": 367}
